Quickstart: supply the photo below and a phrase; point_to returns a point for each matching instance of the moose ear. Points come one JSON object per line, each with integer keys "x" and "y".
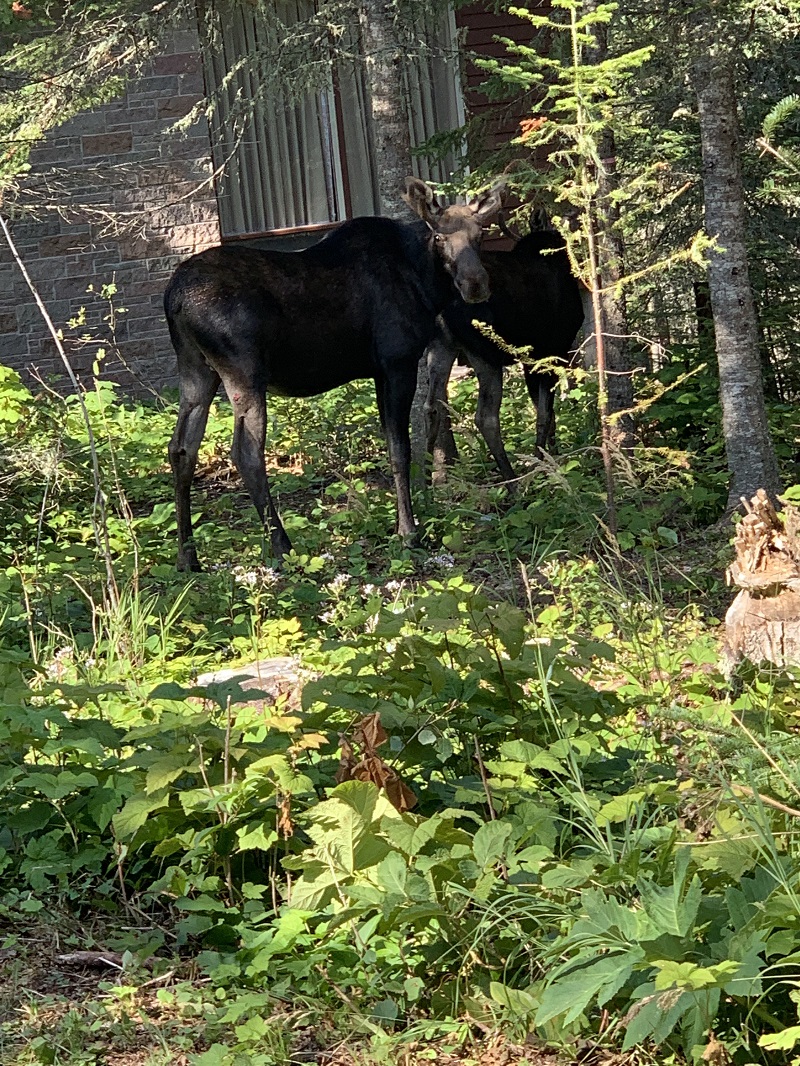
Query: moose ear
{"x": 419, "y": 197}
{"x": 487, "y": 206}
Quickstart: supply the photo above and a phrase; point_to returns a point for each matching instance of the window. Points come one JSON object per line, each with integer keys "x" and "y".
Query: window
{"x": 287, "y": 164}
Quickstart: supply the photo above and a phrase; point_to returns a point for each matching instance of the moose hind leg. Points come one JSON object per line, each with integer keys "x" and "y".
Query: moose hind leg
{"x": 198, "y": 385}
{"x": 247, "y": 452}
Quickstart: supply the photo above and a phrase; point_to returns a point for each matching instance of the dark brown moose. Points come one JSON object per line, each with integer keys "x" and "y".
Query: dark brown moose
{"x": 362, "y": 303}
{"x": 536, "y": 302}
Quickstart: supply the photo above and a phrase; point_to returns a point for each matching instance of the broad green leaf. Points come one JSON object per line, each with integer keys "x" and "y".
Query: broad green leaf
{"x": 671, "y": 909}
{"x": 785, "y": 1040}
{"x": 620, "y": 808}
{"x": 58, "y": 786}
{"x": 531, "y": 755}
{"x": 256, "y": 837}
{"x": 412, "y": 987}
{"x": 517, "y": 1001}
{"x": 490, "y": 842}
{"x": 572, "y": 993}
{"x": 385, "y": 1010}
{"x": 217, "y": 1055}
{"x": 688, "y": 975}
{"x": 605, "y": 916}
{"x": 167, "y": 769}
{"x": 201, "y": 903}
{"x": 654, "y": 1014}
{"x": 102, "y": 805}
{"x": 392, "y": 873}
{"x": 135, "y": 813}
{"x": 509, "y": 623}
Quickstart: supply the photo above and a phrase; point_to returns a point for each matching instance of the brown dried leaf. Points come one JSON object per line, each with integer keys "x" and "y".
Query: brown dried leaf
{"x": 399, "y": 794}
{"x": 715, "y": 1052}
{"x": 370, "y": 734}
{"x": 373, "y": 769}
{"x": 346, "y": 762}
{"x": 284, "y": 824}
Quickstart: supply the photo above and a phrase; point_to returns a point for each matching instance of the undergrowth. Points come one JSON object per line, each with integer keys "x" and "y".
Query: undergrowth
{"x": 585, "y": 831}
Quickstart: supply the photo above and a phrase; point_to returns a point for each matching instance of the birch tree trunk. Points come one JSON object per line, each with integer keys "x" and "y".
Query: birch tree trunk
{"x": 385, "y": 51}
{"x": 383, "y": 48}
{"x": 750, "y": 456}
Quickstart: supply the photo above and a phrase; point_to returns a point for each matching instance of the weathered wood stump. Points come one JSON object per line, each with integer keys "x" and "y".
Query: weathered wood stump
{"x": 763, "y": 622}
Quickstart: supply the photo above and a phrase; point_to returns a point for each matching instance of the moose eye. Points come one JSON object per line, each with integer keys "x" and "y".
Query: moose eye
{"x": 439, "y": 238}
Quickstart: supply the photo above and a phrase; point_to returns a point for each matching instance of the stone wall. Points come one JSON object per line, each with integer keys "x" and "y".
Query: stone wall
{"x": 136, "y": 200}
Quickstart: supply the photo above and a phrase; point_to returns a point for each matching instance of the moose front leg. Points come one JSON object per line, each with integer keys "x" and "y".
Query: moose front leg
{"x": 396, "y": 390}
{"x": 487, "y": 416}
{"x": 542, "y": 391}
{"x": 441, "y": 445}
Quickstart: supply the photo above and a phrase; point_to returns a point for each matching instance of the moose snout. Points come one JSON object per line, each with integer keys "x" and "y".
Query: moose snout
{"x": 474, "y": 290}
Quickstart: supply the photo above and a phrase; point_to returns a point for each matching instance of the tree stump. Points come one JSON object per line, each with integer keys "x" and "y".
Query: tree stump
{"x": 763, "y": 622}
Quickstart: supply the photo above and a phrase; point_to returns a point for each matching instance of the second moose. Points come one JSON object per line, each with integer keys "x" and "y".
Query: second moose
{"x": 535, "y": 303}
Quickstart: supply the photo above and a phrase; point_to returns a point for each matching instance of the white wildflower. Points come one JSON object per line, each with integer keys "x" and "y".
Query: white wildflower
{"x": 444, "y": 559}
{"x": 393, "y": 586}
{"x": 338, "y": 582}
{"x": 368, "y": 590}
{"x": 327, "y": 557}
{"x": 327, "y": 617}
{"x": 57, "y": 666}
{"x": 260, "y": 575}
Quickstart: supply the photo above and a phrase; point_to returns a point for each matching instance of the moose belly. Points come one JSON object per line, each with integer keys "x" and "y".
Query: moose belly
{"x": 316, "y": 366}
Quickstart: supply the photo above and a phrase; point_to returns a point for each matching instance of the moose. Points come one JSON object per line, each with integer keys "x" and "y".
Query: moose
{"x": 362, "y": 303}
{"x": 535, "y": 302}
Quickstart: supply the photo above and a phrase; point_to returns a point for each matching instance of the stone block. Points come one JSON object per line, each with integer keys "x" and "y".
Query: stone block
{"x": 174, "y": 107}
{"x": 8, "y": 322}
{"x": 189, "y": 84}
{"x": 185, "y": 40}
{"x": 13, "y": 349}
{"x": 76, "y": 239}
{"x": 177, "y": 63}
{"x": 74, "y": 289}
{"x": 47, "y": 269}
{"x": 86, "y": 122}
{"x": 150, "y": 88}
{"x": 107, "y": 143}
{"x": 164, "y": 266}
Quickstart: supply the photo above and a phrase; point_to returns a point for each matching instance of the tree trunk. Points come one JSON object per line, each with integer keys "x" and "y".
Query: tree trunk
{"x": 384, "y": 51}
{"x": 383, "y": 48}
{"x": 612, "y": 269}
{"x": 751, "y": 459}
